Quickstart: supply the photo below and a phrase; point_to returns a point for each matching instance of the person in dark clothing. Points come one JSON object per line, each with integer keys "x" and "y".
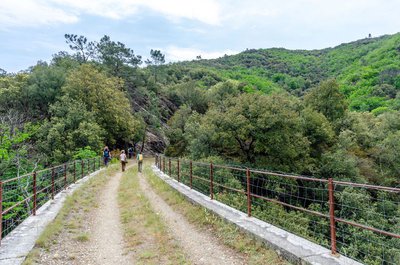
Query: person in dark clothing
{"x": 106, "y": 155}
{"x": 130, "y": 152}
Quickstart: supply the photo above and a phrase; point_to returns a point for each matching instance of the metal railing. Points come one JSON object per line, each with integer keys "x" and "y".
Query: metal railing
{"x": 357, "y": 220}
{"x": 21, "y": 196}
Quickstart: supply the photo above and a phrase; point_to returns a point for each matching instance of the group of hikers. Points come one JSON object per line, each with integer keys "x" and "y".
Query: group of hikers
{"x": 123, "y": 158}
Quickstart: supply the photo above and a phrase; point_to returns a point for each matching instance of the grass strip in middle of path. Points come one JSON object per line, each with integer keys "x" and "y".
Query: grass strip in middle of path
{"x": 144, "y": 231}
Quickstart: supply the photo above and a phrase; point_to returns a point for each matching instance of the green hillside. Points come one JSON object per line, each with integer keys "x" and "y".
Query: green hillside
{"x": 367, "y": 70}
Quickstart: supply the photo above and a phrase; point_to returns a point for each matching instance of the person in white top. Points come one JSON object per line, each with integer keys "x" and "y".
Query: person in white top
{"x": 122, "y": 158}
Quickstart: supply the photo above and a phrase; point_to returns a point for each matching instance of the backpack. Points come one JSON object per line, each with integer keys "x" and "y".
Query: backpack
{"x": 140, "y": 157}
{"x": 106, "y": 153}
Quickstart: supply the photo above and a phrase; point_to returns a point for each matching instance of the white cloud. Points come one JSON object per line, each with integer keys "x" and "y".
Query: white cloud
{"x": 206, "y": 11}
{"x": 313, "y": 13}
{"x": 174, "y": 53}
{"x": 31, "y": 13}
{"x": 39, "y": 12}
{"x": 113, "y": 9}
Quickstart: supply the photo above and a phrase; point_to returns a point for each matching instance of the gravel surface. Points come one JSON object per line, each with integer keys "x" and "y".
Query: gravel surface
{"x": 103, "y": 229}
{"x": 201, "y": 247}
{"x": 105, "y": 244}
{"x": 107, "y": 234}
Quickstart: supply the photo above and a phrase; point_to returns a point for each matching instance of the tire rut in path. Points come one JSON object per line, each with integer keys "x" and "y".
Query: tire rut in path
{"x": 107, "y": 236}
{"x": 200, "y": 247}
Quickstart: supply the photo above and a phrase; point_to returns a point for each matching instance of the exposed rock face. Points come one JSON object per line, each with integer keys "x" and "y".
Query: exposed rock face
{"x": 155, "y": 143}
{"x": 155, "y": 140}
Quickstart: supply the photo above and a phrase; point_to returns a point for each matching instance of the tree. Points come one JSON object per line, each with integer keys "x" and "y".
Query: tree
{"x": 71, "y": 128}
{"x": 255, "y": 129}
{"x": 43, "y": 87}
{"x": 3, "y": 72}
{"x": 193, "y": 96}
{"x": 157, "y": 59}
{"x": 223, "y": 90}
{"x": 115, "y": 55}
{"x": 327, "y": 99}
{"x": 176, "y": 132}
{"x": 104, "y": 97}
{"x": 318, "y": 131}
{"x": 85, "y": 50}
{"x": 16, "y": 157}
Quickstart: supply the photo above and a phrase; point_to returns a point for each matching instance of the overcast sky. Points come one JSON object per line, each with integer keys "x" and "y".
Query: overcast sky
{"x": 32, "y": 30}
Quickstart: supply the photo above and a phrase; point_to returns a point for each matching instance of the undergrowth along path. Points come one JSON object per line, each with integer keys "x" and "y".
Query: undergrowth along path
{"x": 199, "y": 246}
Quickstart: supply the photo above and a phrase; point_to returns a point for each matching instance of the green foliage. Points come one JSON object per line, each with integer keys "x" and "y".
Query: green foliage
{"x": 318, "y": 131}
{"x": 104, "y": 98}
{"x": 115, "y": 55}
{"x": 256, "y": 129}
{"x": 16, "y": 155}
{"x": 85, "y": 50}
{"x": 71, "y": 127}
{"x": 83, "y": 153}
{"x": 327, "y": 99}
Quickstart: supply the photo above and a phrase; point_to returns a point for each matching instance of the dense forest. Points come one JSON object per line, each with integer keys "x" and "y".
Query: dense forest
{"x": 331, "y": 112}
{"x": 327, "y": 113}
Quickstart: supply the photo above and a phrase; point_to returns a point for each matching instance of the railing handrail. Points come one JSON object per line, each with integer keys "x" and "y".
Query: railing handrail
{"x": 294, "y": 176}
{"x": 32, "y": 194}
{"x": 160, "y": 162}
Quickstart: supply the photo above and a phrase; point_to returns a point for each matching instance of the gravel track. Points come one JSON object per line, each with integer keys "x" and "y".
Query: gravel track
{"x": 200, "y": 247}
{"x": 105, "y": 245}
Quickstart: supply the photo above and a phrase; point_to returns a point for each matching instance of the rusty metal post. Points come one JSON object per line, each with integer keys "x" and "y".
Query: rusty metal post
{"x": 332, "y": 215}
{"x": 74, "y": 171}
{"x": 99, "y": 162}
{"x": 163, "y": 164}
{"x": 211, "y": 181}
{"x": 34, "y": 194}
{"x": 88, "y": 166}
{"x": 1, "y": 209}
{"x": 169, "y": 167}
{"x": 248, "y": 193}
{"x": 65, "y": 176}
{"x": 178, "y": 171}
{"x": 191, "y": 174}
{"x": 52, "y": 182}
{"x": 82, "y": 168}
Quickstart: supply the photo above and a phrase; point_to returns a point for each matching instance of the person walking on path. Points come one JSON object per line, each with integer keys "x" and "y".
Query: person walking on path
{"x": 123, "y": 159}
{"x": 106, "y": 155}
{"x": 139, "y": 158}
{"x": 130, "y": 152}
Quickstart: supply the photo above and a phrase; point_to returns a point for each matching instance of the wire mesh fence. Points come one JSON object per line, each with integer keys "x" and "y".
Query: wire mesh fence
{"x": 356, "y": 220}
{"x": 21, "y": 196}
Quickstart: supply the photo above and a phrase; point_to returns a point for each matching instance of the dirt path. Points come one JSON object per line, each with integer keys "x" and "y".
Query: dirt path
{"x": 108, "y": 243}
{"x": 200, "y": 247}
{"x": 100, "y": 238}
